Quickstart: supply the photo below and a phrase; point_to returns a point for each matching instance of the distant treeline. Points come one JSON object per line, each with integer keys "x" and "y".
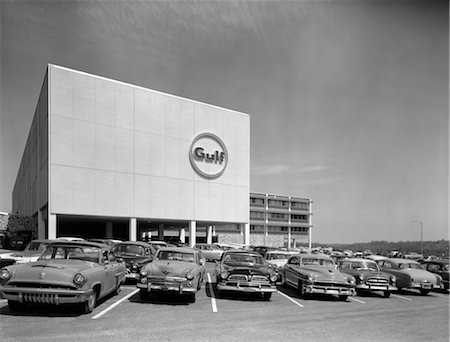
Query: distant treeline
{"x": 439, "y": 248}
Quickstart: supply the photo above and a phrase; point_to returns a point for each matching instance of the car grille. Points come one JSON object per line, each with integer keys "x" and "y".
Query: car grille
{"x": 376, "y": 281}
{"x": 42, "y": 285}
{"x": 40, "y": 298}
{"x": 252, "y": 278}
{"x": 166, "y": 280}
{"x": 331, "y": 285}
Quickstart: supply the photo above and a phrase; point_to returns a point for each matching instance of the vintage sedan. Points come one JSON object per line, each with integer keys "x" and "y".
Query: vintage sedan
{"x": 245, "y": 271}
{"x": 174, "y": 269}
{"x": 411, "y": 275}
{"x": 31, "y": 252}
{"x": 368, "y": 276}
{"x": 277, "y": 259}
{"x": 439, "y": 267}
{"x": 210, "y": 252}
{"x": 135, "y": 254}
{"x": 66, "y": 272}
{"x": 317, "y": 273}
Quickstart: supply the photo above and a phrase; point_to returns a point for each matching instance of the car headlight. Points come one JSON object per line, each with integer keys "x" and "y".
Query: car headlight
{"x": 224, "y": 274}
{"x": 273, "y": 277}
{"x": 4, "y": 275}
{"x": 144, "y": 273}
{"x": 393, "y": 279}
{"x": 79, "y": 280}
{"x": 135, "y": 267}
{"x": 361, "y": 276}
{"x": 190, "y": 275}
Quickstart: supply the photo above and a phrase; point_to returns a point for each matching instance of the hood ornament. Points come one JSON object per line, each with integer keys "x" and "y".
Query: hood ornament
{"x": 42, "y": 275}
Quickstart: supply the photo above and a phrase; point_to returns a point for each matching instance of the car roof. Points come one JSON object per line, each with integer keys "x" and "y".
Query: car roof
{"x": 402, "y": 261}
{"x": 312, "y": 255}
{"x": 359, "y": 259}
{"x": 241, "y": 251}
{"x": 137, "y": 243}
{"x": 436, "y": 261}
{"x": 42, "y": 240}
{"x": 78, "y": 243}
{"x": 179, "y": 249}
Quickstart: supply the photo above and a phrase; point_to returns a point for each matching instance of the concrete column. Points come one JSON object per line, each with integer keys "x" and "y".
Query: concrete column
{"x": 192, "y": 233}
{"x": 183, "y": 235}
{"x": 289, "y": 237}
{"x": 246, "y": 227}
{"x": 310, "y": 225}
{"x": 209, "y": 231}
{"x": 161, "y": 232}
{"x": 133, "y": 229}
{"x": 109, "y": 230}
{"x": 42, "y": 218}
{"x": 52, "y": 226}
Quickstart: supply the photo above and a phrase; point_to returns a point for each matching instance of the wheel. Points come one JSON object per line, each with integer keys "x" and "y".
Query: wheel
{"x": 144, "y": 295}
{"x": 191, "y": 298}
{"x": 387, "y": 294}
{"x": 267, "y": 295}
{"x": 91, "y": 302}
{"x": 117, "y": 290}
{"x": 199, "y": 285}
{"x": 343, "y": 297}
{"x": 14, "y": 306}
{"x": 424, "y": 292}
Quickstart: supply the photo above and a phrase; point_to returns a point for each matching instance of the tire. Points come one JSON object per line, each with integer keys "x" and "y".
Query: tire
{"x": 267, "y": 295}
{"x": 117, "y": 290}
{"x": 199, "y": 285}
{"x": 424, "y": 292}
{"x": 387, "y": 294}
{"x": 191, "y": 298}
{"x": 14, "y": 306}
{"x": 343, "y": 297}
{"x": 89, "y": 305}
{"x": 144, "y": 295}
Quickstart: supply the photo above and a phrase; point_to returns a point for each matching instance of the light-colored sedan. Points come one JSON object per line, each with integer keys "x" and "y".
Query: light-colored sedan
{"x": 66, "y": 272}
{"x": 174, "y": 269}
{"x": 31, "y": 252}
{"x": 210, "y": 252}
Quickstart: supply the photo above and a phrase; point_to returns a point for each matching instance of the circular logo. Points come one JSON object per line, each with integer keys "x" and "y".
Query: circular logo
{"x": 208, "y": 156}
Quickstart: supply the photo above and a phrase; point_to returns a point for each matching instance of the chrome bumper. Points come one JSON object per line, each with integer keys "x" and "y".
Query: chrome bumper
{"x": 45, "y": 296}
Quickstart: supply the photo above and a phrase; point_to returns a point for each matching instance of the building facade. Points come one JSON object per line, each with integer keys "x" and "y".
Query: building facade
{"x": 278, "y": 220}
{"x": 106, "y": 158}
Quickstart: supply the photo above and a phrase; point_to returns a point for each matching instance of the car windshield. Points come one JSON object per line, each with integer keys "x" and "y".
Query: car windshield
{"x": 317, "y": 262}
{"x": 276, "y": 256}
{"x": 129, "y": 249}
{"x": 242, "y": 258}
{"x": 86, "y": 253}
{"x": 365, "y": 265}
{"x": 175, "y": 255}
{"x": 411, "y": 265}
{"x": 35, "y": 246}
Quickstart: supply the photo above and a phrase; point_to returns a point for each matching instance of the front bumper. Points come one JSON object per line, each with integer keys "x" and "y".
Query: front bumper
{"x": 371, "y": 287}
{"x": 169, "y": 284}
{"x": 328, "y": 290}
{"x": 45, "y": 296}
{"x": 426, "y": 286}
{"x": 246, "y": 287}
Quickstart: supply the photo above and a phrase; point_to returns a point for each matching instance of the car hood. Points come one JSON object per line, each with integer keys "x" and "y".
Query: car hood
{"x": 169, "y": 268}
{"x": 131, "y": 259}
{"x": 323, "y": 273}
{"x": 278, "y": 263}
{"x": 367, "y": 273}
{"x": 49, "y": 271}
{"x": 246, "y": 269}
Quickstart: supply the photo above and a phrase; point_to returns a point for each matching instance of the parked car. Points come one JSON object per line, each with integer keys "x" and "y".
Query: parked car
{"x": 109, "y": 242}
{"x": 158, "y": 244}
{"x": 31, "y": 252}
{"x": 277, "y": 259}
{"x": 411, "y": 275}
{"x": 70, "y": 238}
{"x": 66, "y": 272}
{"x": 245, "y": 271}
{"x": 135, "y": 254}
{"x": 174, "y": 269}
{"x": 316, "y": 273}
{"x": 210, "y": 252}
{"x": 368, "y": 276}
{"x": 263, "y": 249}
{"x": 440, "y": 267}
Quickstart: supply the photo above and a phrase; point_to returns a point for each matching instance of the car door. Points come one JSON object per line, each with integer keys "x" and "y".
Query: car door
{"x": 110, "y": 280}
{"x": 290, "y": 272}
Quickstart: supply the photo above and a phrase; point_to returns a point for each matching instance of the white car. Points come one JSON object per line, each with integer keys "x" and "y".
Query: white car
{"x": 277, "y": 259}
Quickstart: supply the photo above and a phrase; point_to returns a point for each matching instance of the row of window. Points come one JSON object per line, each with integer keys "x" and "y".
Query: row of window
{"x": 273, "y": 203}
{"x": 259, "y": 215}
{"x": 274, "y": 229}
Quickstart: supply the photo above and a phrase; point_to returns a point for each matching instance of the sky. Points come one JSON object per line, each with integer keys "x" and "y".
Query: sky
{"x": 348, "y": 100}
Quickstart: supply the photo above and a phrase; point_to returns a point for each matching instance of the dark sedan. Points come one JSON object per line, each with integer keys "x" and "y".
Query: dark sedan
{"x": 135, "y": 254}
{"x": 438, "y": 266}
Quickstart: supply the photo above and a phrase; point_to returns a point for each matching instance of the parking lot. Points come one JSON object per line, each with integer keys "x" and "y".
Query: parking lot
{"x": 405, "y": 316}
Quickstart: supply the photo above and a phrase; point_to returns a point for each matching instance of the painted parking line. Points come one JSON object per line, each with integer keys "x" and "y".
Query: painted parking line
{"x": 292, "y": 300}
{"x": 398, "y": 296}
{"x": 357, "y": 300}
{"x": 100, "y": 314}
{"x": 211, "y": 291}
